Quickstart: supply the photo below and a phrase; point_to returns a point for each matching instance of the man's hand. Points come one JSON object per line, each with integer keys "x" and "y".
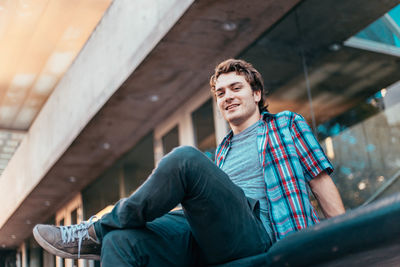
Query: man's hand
{"x": 328, "y": 196}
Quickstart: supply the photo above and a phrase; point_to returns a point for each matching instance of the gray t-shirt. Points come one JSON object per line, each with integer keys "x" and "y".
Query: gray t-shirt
{"x": 242, "y": 164}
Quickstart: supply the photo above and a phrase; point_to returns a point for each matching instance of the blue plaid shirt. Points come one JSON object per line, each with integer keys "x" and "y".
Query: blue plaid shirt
{"x": 290, "y": 156}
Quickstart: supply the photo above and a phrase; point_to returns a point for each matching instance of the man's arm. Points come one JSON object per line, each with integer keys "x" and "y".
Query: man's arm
{"x": 328, "y": 196}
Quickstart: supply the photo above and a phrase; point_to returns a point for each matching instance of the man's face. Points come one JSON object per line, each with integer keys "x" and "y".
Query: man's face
{"x": 237, "y": 102}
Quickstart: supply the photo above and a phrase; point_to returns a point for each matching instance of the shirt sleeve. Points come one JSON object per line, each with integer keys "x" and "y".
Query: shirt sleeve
{"x": 311, "y": 154}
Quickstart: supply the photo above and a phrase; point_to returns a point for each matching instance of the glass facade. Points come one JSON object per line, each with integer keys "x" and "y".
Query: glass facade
{"x": 365, "y": 140}
{"x": 348, "y": 92}
{"x": 381, "y": 35}
{"x": 364, "y": 145}
{"x": 102, "y": 192}
{"x": 170, "y": 140}
{"x": 121, "y": 179}
{"x": 204, "y": 131}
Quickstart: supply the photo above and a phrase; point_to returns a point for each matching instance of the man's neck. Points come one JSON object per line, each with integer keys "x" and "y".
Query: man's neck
{"x": 243, "y": 126}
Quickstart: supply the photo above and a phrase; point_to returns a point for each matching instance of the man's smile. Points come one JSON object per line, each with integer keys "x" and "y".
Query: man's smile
{"x": 231, "y": 106}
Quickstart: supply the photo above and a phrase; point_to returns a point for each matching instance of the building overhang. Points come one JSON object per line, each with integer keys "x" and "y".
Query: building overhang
{"x": 114, "y": 84}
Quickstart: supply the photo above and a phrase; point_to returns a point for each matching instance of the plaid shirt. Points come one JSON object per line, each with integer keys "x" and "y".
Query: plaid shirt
{"x": 290, "y": 156}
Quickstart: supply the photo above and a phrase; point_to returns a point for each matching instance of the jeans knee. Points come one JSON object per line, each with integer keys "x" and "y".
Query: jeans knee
{"x": 187, "y": 162}
{"x": 186, "y": 153}
{"x": 123, "y": 248}
{"x": 123, "y": 241}
{"x": 185, "y": 150}
{"x": 126, "y": 237}
{"x": 113, "y": 238}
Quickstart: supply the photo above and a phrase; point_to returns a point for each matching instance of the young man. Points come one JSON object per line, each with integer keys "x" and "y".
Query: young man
{"x": 255, "y": 195}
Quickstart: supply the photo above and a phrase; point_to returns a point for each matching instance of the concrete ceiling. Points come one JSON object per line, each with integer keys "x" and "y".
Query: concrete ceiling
{"x": 180, "y": 65}
{"x": 39, "y": 40}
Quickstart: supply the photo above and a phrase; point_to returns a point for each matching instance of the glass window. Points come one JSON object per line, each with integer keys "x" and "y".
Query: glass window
{"x": 365, "y": 148}
{"x": 382, "y": 36}
{"x": 102, "y": 192}
{"x": 170, "y": 140}
{"x": 137, "y": 165}
{"x": 349, "y": 94}
{"x": 121, "y": 179}
{"x": 204, "y": 131}
{"x": 74, "y": 216}
{"x": 34, "y": 253}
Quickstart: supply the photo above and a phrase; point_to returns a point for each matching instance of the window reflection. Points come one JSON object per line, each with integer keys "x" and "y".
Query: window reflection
{"x": 384, "y": 30}
{"x": 351, "y": 90}
{"x": 121, "y": 179}
{"x": 381, "y": 36}
{"x": 170, "y": 140}
{"x": 204, "y": 131}
{"x": 366, "y": 148}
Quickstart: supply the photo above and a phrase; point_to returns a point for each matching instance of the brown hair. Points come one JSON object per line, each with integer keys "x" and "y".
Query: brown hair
{"x": 252, "y": 76}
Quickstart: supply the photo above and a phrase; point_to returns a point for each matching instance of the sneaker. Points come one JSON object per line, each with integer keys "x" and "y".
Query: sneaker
{"x": 77, "y": 241}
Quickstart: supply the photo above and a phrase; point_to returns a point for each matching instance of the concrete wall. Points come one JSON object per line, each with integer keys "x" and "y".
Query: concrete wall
{"x": 127, "y": 33}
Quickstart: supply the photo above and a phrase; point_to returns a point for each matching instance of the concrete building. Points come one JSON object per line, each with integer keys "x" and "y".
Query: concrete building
{"x": 94, "y": 93}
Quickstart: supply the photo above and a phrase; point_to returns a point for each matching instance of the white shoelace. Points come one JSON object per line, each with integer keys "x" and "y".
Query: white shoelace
{"x": 76, "y": 231}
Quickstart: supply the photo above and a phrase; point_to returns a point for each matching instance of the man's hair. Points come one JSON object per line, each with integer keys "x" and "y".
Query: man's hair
{"x": 252, "y": 76}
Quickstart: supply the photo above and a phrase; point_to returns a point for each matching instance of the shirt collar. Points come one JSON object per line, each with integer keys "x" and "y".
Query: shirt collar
{"x": 264, "y": 116}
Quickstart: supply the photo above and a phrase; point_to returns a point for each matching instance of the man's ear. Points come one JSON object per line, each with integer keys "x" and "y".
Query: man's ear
{"x": 257, "y": 95}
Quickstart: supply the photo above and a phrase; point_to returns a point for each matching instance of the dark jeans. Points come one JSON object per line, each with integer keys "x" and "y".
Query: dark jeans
{"x": 218, "y": 222}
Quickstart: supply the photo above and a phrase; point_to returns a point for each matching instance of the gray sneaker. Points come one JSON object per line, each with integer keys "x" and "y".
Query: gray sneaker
{"x": 77, "y": 241}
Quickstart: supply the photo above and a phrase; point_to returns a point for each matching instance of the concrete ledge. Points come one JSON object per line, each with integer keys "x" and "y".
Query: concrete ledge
{"x": 366, "y": 236}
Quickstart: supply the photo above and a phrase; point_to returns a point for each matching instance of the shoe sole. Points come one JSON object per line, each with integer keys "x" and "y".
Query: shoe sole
{"x": 48, "y": 247}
